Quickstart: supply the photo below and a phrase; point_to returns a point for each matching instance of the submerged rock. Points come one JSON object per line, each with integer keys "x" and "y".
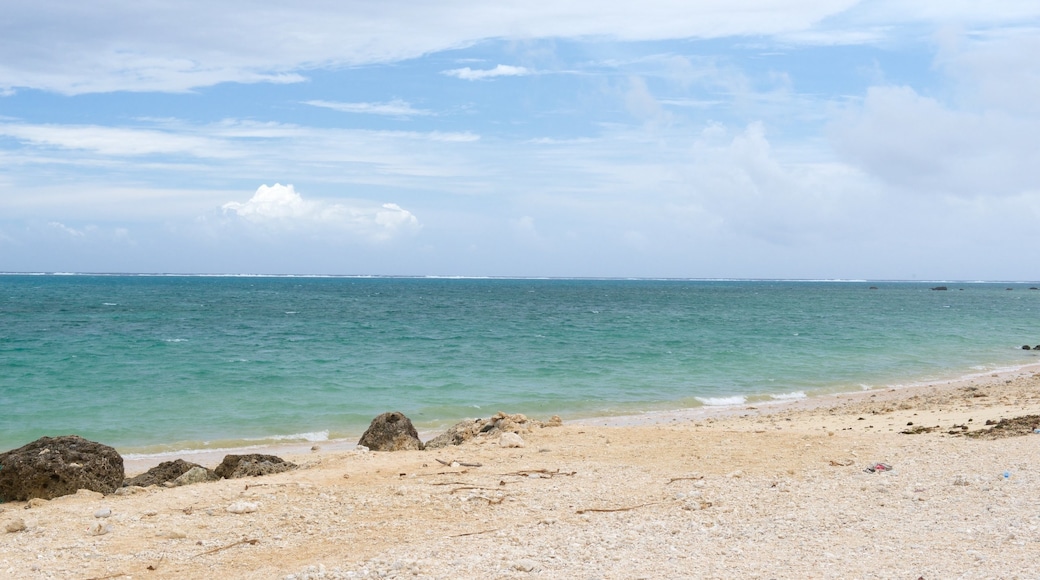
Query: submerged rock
{"x": 51, "y": 467}
{"x": 391, "y": 432}
{"x": 168, "y": 471}
{"x": 252, "y": 465}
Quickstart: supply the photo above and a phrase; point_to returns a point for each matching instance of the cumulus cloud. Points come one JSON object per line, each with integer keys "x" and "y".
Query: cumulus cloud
{"x": 502, "y": 70}
{"x": 394, "y": 108}
{"x": 281, "y": 207}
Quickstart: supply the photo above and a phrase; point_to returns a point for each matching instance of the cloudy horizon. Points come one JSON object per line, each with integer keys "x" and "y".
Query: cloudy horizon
{"x": 792, "y": 139}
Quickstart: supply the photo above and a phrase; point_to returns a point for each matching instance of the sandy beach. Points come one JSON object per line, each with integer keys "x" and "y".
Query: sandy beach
{"x": 777, "y": 491}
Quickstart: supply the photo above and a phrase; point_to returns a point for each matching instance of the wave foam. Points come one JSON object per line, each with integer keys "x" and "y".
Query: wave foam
{"x": 722, "y": 401}
{"x": 789, "y": 396}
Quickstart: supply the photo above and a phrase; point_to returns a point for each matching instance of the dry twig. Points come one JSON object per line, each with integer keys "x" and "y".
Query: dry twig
{"x": 238, "y": 543}
{"x": 460, "y": 463}
{"x": 692, "y": 477}
{"x": 475, "y": 533}
{"x": 624, "y": 509}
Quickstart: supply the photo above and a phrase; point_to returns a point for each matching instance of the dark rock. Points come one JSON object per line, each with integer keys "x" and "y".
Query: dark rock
{"x": 252, "y": 465}
{"x": 1026, "y": 347}
{"x": 51, "y": 467}
{"x": 391, "y": 432}
{"x": 873, "y": 288}
{"x": 940, "y": 288}
{"x": 165, "y": 471}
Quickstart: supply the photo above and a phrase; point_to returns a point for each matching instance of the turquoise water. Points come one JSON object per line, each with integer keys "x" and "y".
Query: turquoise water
{"x": 154, "y": 363}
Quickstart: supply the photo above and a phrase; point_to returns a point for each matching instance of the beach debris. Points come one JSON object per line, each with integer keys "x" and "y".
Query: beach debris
{"x": 1015, "y": 427}
{"x": 170, "y": 471}
{"x": 511, "y": 440}
{"x": 878, "y": 467}
{"x": 841, "y": 462}
{"x": 14, "y": 526}
{"x": 52, "y": 467}
{"x": 251, "y": 465}
{"x": 243, "y": 507}
{"x": 391, "y": 432}
{"x": 103, "y": 512}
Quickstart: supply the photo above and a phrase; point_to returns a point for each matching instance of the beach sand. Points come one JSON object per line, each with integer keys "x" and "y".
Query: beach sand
{"x": 757, "y": 491}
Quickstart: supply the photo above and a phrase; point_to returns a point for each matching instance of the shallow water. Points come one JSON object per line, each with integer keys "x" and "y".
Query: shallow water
{"x": 161, "y": 363}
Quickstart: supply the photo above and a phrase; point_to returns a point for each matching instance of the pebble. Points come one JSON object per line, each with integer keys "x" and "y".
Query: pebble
{"x": 243, "y": 507}
{"x": 100, "y": 529}
{"x": 510, "y": 439}
{"x": 15, "y": 525}
{"x": 103, "y": 512}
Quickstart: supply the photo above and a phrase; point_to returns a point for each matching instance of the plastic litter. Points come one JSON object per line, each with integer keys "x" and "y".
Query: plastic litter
{"x": 878, "y": 467}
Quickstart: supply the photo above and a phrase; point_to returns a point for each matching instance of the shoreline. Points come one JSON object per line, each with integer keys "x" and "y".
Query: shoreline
{"x": 778, "y": 491}
{"x": 138, "y": 463}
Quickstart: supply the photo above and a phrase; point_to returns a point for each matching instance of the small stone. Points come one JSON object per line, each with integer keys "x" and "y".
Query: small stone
{"x": 103, "y": 512}
{"x": 510, "y": 440}
{"x": 15, "y": 525}
{"x": 173, "y": 534}
{"x": 37, "y": 502}
{"x": 197, "y": 474}
{"x": 525, "y": 565}
{"x": 100, "y": 529}
{"x": 243, "y": 507}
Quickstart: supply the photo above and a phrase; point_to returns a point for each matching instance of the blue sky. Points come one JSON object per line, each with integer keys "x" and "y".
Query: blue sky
{"x": 747, "y": 138}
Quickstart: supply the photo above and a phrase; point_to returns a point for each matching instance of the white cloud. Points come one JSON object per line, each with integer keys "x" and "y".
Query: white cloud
{"x": 117, "y": 141}
{"x": 502, "y": 70}
{"x": 112, "y": 45}
{"x": 920, "y": 144}
{"x": 280, "y": 207}
{"x": 394, "y": 108}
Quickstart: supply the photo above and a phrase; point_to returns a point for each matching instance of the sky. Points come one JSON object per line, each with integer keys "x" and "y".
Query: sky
{"x": 802, "y": 139}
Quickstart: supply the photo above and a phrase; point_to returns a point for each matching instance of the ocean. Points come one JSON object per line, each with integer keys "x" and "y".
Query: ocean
{"x": 155, "y": 364}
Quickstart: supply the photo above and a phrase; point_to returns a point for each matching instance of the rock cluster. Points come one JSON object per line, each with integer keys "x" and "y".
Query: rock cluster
{"x": 51, "y": 467}
{"x": 493, "y": 426}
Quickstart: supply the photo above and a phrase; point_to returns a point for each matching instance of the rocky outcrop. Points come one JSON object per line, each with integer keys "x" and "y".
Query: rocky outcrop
{"x": 493, "y": 426}
{"x": 391, "y": 432}
{"x": 940, "y": 288}
{"x": 170, "y": 471}
{"x": 252, "y": 465}
{"x": 51, "y": 467}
